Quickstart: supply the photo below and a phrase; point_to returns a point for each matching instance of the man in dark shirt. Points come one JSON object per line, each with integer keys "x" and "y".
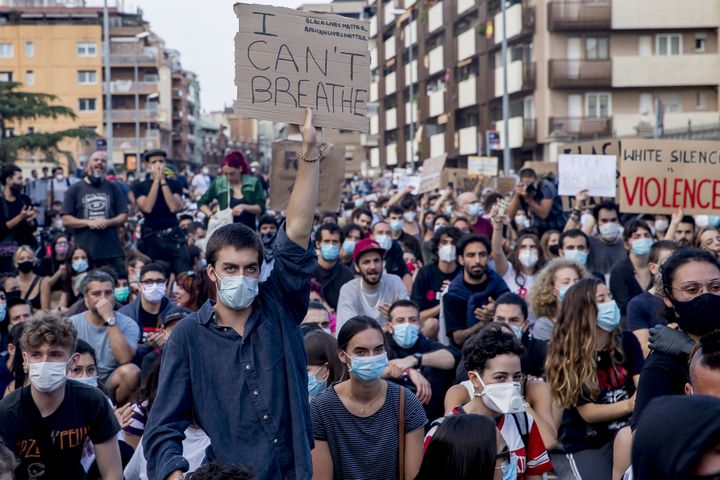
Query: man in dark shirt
{"x": 330, "y": 273}
{"x": 540, "y": 199}
{"x": 47, "y": 423}
{"x": 410, "y": 350}
{"x": 470, "y": 295}
{"x": 626, "y": 276}
{"x": 434, "y": 278}
{"x": 407, "y": 241}
{"x": 17, "y": 217}
{"x": 238, "y": 367}
{"x": 158, "y": 198}
{"x": 94, "y": 208}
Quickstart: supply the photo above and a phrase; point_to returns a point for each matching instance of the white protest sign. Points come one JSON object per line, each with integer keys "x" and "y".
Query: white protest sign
{"x": 482, "y": 166}
{"x": 595, "y": 173}
{"x": 287, "y": 60}
{"x": 406, "y": 181}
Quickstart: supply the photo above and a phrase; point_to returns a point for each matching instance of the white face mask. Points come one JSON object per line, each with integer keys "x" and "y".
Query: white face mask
{"x": 409, "y": 216}
{"x": 153, "y": 293}
{"x": 384, "y": 241}
{"x": 89, "y": 381}
{"x": 237, "y": 292}
{"x": 522, "y": 221}
{"x": 661, "y": 225}
{"x": 447, "y": 253}
{"x": 610, "y": 231}
{"x": 528, "y": 258}
{"x": 702, "y": 221}
{"x": 502, "y": 397}
{"x": 47, "y": 376}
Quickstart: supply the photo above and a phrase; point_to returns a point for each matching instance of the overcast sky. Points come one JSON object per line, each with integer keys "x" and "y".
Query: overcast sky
{"x": 203, "y": 31}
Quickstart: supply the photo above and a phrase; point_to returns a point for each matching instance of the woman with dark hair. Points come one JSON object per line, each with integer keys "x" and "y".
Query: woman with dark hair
{"x": 520, "y": 268}
{"x": 52, "y": 267}
{"x": 691, "y": 287}
{"x": 190, "y": 290}
{"x": 236, "y": 188}
{"x": 356, "y": 423}
{"x": 466, "y": 447}
{"x": 550, "y": 244}
{"x": 426, "y": 229}
{"x": 77, "y": 264}
{"x": 16, "y": 364}
{"x": 323, "y": 365}
{"x": 593, "y": 368}
{"x": 352, "y": 234}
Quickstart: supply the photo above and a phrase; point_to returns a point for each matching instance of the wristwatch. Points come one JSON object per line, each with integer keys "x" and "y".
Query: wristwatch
{"x": 111, "y": 322}
{"x": 418, "y": 357}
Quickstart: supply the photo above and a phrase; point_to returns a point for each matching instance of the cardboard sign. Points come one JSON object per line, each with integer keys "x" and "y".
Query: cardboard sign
{"x": 430, "y": 179}
{"x": 283, "y": 172}
{"x": 287, "y": 60}
{"x": 406, "y": 181}
{"x": 660, "y": 176}
{"x": 595, "y": 147}
{"x": 505, "y": 185}
{"x": 595, "y": 173}
{"x": 482, "y": 166}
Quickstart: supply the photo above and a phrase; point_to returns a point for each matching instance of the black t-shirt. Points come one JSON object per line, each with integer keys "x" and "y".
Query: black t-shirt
{"x": 410, "y": 243}
{"x": 149, "y": 323}
{"x": 455, "y": 309}
{"x": 428, "y": 284}
{"x": 664, "y": 374}
{"x": 22, "y": 233}
{"x": 616, "y": 384}
{"x": 556, "y": 219}
{"x": 645, "y": 311}
{"x": 394, "y": 262}
{"x": 106, "y": 201}
{"x": 55, "y": 452}
{"x": 332, "y": 281}
{"x": 160, "y": 217}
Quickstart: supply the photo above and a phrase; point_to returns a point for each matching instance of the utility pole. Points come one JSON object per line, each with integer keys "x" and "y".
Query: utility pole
{"x": 505, "y": 99}
{"x": 108, "y": 93}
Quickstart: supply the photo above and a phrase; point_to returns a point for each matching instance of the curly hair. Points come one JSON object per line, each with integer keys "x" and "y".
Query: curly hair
{"x": 543, "y": 299}
{"x": 487, "y": 344}
{"x": 571, "y": 362}
{"x": 49, "y": 328}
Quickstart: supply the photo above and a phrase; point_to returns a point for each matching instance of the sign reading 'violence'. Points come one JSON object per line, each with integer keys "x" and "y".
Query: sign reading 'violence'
{"x": 659, "y": 176}
{"x": 287, "y": 60}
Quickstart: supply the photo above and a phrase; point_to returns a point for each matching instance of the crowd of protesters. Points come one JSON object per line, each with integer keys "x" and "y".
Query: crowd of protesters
{"x": 450, "y": 334}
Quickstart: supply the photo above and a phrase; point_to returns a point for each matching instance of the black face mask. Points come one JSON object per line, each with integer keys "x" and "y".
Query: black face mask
{"x": 25, "y": 267}
{"x": 554, "y": 249}
{"x": 696, "y": 316}
{"x": 12, "y": 295}
{"x": 16, "y": 189}
{"x": 95, "y": 181}
{"x": 268, "y": 241}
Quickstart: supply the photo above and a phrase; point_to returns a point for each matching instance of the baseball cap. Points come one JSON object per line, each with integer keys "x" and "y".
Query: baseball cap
{"x": 367, "y": 245}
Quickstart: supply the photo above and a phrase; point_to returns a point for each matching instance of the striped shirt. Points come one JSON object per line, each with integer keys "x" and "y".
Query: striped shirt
{"x": 364, "y": 448}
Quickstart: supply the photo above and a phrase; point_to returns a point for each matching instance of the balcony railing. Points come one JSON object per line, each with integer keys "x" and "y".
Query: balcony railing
{"x": 528, "y": 73}
{"x": 529, "y": 131}
{"x": 130, "y": 59}
{"x": 129, "y": 115}
{"x": 127, "y": 143}
{"x": 123, "y": 87}
{"x": 579, "y": 15}
{"x": 582, "y": 127}
{"x": 580, "y": 73}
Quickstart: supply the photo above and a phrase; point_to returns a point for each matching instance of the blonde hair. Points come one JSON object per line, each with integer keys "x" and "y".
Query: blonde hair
{"x": 571, "y": 363}
{"x": 20, "y": 250}
{"x": 543, "y": 299}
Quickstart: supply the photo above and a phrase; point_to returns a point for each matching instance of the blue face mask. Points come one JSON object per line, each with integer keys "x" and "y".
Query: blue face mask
{"x": 349, "y": 246}
{"x": 474, "y": 209}
{"x": 203, "y": 263}
{"x": 315, "y": 386}
{"x": 368, "y": 369}
{"x": 516, "y": 330}
{"x": 577, "y": 256}
{"x": 641, "y": 246}
{"x": 80, "y": 266}
{"x": 329, "y": 252}
{"x": 562, "y": 291}
{"x": 396, "y": 225}
{"x": 509, "y": 471}
{"x": 608, "y": 316}
{"x": 237, "y": 292}
{"x": 406, "y": 334}
{"x": 3, "y": 311}
{"x": 714, "y": 221}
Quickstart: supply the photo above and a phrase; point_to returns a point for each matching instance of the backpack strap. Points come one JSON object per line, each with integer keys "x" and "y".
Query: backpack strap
{"x": 523, "y": 426}
{"x": 401, "y": 434}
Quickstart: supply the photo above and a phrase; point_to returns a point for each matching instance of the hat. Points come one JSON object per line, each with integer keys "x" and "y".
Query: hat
{"x": 367, "y": 245}
{"x": 154, "y": 153}
{"x": 236, "y": 159}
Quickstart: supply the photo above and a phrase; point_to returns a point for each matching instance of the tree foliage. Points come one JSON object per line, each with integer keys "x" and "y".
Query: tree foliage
{"x": 16, "y": 106}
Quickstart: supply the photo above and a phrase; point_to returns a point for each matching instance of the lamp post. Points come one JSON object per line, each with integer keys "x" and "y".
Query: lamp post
{"x": 411, "y": 88}
{"x": 505, "y": 99}
{"x": 108, "y": 93}
{"x": 138, "y": 39}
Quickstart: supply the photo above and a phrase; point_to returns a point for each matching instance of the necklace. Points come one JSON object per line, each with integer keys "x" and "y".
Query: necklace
{"x": 364, "y": 300}
{"x": 363, "y": 407}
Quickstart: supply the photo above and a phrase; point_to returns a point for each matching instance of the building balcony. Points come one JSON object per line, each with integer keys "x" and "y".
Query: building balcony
{"x": 390, "y": 84}
{"x": 374, "y": 124}
{"x": 375, "y": 157}
{"x": 129, "y": 143}
{"x": 391, "y": 154}
{"x": 582, "y": 127}
{"x": 128, "y": 87}
{"x": 436, "y": 60}
{"x": 437, "y": 103}
{"x": 519, "y": 19}
{"x": 579, "y": 73}
{"x": 374, "y": 91}
{"x": 435, "y": 17}
{"x": 466, "y": 44}
{"x": 130, "y": 114}
{"x": 410, "y": 34}
{"x": 391, "y": 119}
{"x": 467, "y": 92}
{"x": 464, "y": 5}
{"x": 516, "y": 132}
{"x": 467, "y": 141}
{"x": 664, "y": 14}
{"x": 411, "y": 116}
{"x": 566, "y": 15}
{"x": 373, "y": 26}
{"x": 147, "y": 57}
{"x": 373, "y": 59}
{"x": 521, "y": 77}
{"x": 389, "y": 48}
{"x": 666, "y": 71}
{"x": 529, "y": 131}
{"x": 411, "y": 73}
{"x": 437, "y": 144}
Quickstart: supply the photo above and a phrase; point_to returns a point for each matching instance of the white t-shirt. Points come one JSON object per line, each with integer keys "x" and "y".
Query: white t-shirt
{"x": 354, "y": 300}
{"x": 194, "y": 445}
{"x": 523, "y": 287}
{"x": 200, "y": 184}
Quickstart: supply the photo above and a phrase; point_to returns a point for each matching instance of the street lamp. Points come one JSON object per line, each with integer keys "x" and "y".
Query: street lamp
{"x": 138, "y": 40}
{"x": 398, "y": 12}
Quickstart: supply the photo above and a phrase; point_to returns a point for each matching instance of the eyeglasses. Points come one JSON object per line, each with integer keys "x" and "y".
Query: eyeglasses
{"x": 150, "y": 282}
{"x": 691, "y": 290}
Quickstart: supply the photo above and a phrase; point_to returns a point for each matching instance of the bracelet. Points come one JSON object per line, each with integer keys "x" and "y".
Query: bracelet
{"x": 321, "y": 152}
{"x": 163, "y": 184}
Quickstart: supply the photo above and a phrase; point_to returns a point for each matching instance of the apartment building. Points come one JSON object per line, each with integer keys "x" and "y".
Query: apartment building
{"x": 576, "y": 70}
{"x": 56, "y": 47}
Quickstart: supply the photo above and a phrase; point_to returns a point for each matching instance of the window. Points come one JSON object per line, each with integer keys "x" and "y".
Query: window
{"x": 597, "y": 105}
{"x": 670, "y": 44}
{"x": 597, "y": 48}
{"x": 6, "y": 50}
{"x": 700, "y": 99}
{"x": 6, "y": 76}
{"x": 30, "y": 77}
{"x": 29, "y": 49}
{"x": 86, "y": 49}
{"x": 86, "y": 77}
{"x": 647, "y": 104}
{"x": 86, "y": 104}
{"x": 671, "y": 102}
{"x": 151, "y": 77}
{"x": 700, "y": 42}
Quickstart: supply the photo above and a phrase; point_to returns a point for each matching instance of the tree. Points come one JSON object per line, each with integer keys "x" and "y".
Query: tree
{"x": 16, "y": 107}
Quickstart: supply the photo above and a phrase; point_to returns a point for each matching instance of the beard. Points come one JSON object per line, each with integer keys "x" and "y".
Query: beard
{"x": 477, "y": 273}
{"x": 365, "y": 278}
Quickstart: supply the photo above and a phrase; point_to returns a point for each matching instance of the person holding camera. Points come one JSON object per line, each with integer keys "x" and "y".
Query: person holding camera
{"x": 540, "y": 199}
{"x": 158, "y": 198}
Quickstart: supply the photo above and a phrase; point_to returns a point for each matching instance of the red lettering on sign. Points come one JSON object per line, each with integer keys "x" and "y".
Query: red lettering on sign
{"x": 699, "y": 194}
{"x": 636, "y": 189}
{"x": 658, "y": 192}
{"x": 715, "y": 194}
